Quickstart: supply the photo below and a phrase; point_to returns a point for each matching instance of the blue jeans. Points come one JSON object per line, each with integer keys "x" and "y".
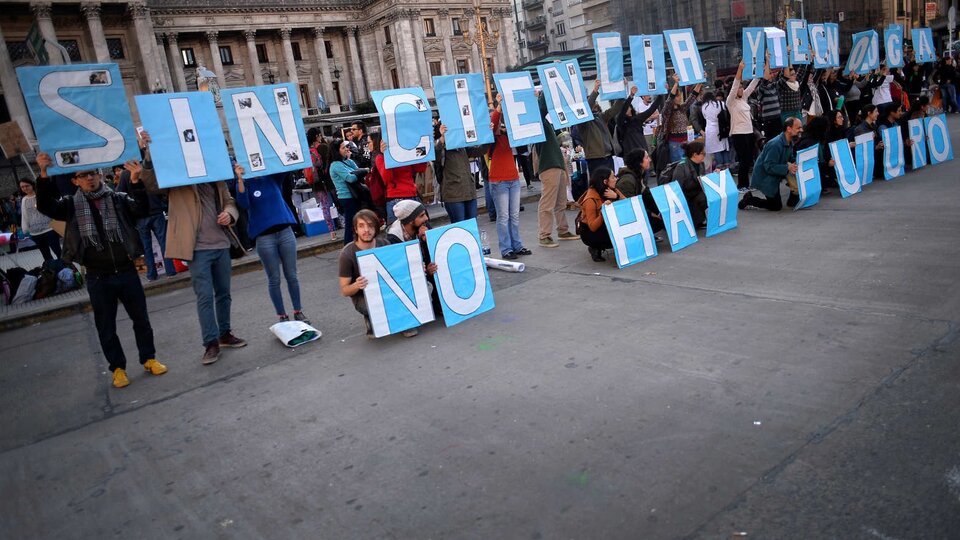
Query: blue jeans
{"x": 596, "y": 163}
{"x": 676, "y": 151}
{"x": 276, "y": 249}
{"x": 210, "y": 273}
{"x": 488, "y": 199}
{"x": 390, "y": 202}
{"x": 506, "y": 195}
{"x": 158, "y": 225}
{"x": 460, "y": 211}
{"x": 949, "y": 95}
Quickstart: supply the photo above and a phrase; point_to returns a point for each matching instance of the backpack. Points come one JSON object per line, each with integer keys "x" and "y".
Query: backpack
{"x": 46, "y": 284}
{"x": 14, "y": 277}
{"x": 724, "y": 121}
{"x": 666, "y": 175}
{"x": 660, "y": 155}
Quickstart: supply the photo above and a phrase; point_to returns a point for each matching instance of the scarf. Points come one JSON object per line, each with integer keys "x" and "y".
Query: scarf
{"x": 794, "y": 85}
{"x": 83, "y": 203}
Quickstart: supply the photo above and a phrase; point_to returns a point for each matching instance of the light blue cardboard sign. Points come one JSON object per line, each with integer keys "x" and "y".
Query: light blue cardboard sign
{"x": 520, "y": 107}
{"x": 80, "y": 115}
{"x": 463, "y": 109}
{"x": 825, "y": 45}
{"x": 918, "y": 150}
{"x": 864, "y": 157}
{"x": 938, "y": 139}
{"x": 266, "y": 128}
{"x": 777, "y": 47}
{"x": 673, "y": 207}
{"x": 865, "y": 53}
{"x": 609, "y": 53}
{"x": 923, "y": 46}
{"x": 685, "y": 56}
{"x": 843, "y": 163}
{"x": 893, "y": 158}
{"x": 721, "y": 192}
{"x": 397, "y": 295}
{"x": 630, "y": 231}
{"x": 649, "y": 64}
{"x": 461, "y": 278}
{"x": 565, "y": 94}
{"x": 186, "y": 138}
{"x": 808, "y": 177}
{"x": 406, "y": 125}
{"x": 754, "y": 47}
{"x": 893, "y": 45}
{"x": 799, "y": 41}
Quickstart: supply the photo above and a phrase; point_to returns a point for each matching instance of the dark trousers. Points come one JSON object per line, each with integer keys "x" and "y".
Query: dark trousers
{"x": 48, "y": 242}
{"x": 526, "y": 167}
{"x": 156, "y": 224}
{"x": 596, "y": 163}
{"x": 350, "y": 209}
{"x": 744, "y": 146}
{"x": 774, "y": 204}
{"x": 106, "y": 292}
{"x": 599, "y": 239}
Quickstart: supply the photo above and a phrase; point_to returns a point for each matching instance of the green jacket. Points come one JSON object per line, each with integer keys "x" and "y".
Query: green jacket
{"x": 548, "y": 151}
{"x": 597, "y": 141}
{"x": 771, "y": 166}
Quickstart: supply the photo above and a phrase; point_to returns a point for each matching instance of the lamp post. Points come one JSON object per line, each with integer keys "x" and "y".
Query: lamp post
{"x": 481, "y": 37}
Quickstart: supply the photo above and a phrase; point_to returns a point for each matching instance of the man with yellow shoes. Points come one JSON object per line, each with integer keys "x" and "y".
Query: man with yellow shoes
{"x": 101, "y": 235}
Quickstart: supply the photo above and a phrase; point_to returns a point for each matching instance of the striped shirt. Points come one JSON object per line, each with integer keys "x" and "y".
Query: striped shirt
{"x": 769, "y": 99}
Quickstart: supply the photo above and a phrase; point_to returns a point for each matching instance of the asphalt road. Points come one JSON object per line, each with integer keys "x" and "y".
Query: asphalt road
{"x": 797, "y": 377}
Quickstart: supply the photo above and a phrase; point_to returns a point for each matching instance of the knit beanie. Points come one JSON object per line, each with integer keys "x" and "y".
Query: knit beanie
{"x": 407, "y": 210}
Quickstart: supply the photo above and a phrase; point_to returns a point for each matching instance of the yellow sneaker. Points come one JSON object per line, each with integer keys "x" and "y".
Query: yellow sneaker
{"x": 154, "y": 367}
{"x": 120, "y": 378}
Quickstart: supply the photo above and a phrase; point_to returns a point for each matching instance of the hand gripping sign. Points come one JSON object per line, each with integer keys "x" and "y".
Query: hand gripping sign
{"x": 406, "y": 125}
{"x": 630, "y": 232}
{"x": 266, "y": 129}
{"x": 462, "y": 280}
{"x": 463, "y": 109}
{"x": 677, "y": 221}
{"x": 186, "y": 137}
{"x": 397, "y": 293}
{"x": 808, "y": 177}
{"x": 80, "y": 115}
{"x": 565, "y": 94}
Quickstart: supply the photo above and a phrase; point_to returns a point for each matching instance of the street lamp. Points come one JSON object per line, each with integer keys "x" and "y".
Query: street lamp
{"x": 482, "y": 36}
{"x": 336, "y": 70}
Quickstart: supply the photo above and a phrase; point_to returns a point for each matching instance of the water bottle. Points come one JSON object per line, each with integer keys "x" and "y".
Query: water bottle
{"x": 485, "y": 243}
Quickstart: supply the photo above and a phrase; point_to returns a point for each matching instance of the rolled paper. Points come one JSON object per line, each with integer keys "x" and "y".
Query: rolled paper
{"x": 506, "y": 266}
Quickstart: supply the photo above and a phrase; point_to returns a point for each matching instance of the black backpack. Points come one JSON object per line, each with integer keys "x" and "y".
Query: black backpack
{"x": 724, "y": 121}
{"x": 666, "y": 175}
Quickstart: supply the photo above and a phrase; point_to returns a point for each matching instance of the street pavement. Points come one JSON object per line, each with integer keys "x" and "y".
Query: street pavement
{"x": 797, "y": 377}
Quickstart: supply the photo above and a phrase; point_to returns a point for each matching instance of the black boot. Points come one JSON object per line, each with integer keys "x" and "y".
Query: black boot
{"x": 597, "y": 254}
{"x": 792, "y": 200}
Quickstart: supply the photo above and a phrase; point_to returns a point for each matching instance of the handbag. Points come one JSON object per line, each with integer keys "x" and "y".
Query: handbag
{"x": 236, "y": 248}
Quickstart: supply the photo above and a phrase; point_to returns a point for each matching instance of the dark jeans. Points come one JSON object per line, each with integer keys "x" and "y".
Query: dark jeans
{"x": 596, "y": 163}
{"x": 210, "y": 273}
{"x": 744, "y": 146}
{"x": 106, "y": 292}
{"x": 47, "y": 242}
{"x": 599, "y": 239}
{"x": 774, "y": 204}
{"x": 526, "y": 166}
{"x": 158, "y": 226}
{"x": 350, "y": 209}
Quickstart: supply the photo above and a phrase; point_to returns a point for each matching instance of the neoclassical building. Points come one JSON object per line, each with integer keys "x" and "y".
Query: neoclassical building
{"x": 334, "y": 51}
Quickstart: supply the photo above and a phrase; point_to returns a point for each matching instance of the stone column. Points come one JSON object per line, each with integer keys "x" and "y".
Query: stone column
{"x": 445, "y": 31}
{"x": 253, "y": 61}
{"x": 91, "y": 10}
{"x": 406, "y": 48}
{"x": 164, "y": 68}
{"x": 176, "y": 62}
{"x": 508, "y": 33}
{"x": 417, "y": 22}
{"x": 217, "y": 66}
{"x": 403, "y": 70}
{"x": 289, "y": 61}
{"x": 368, "y": 57}
{"x": 143, "y": 27}
{"x": 11, "y": 91}
{"x": 384, "y": 72}
{"x": 320, "y": 49}
{"x": 356, "y": 69}
{"x": 41, "y": 10}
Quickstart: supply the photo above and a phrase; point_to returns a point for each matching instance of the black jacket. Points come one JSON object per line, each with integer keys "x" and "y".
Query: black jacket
{"x": 116, "y": 257}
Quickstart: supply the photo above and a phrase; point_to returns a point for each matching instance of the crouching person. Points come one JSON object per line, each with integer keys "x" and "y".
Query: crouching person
{"x": 101, "y": 235}
{"x": 592, "y": 230}
{"x": 365, "y": 227}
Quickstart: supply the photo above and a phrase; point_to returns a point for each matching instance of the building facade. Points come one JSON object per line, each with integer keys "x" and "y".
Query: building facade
{"x": 334, "y": 51}
{"x": 552, "y": 26}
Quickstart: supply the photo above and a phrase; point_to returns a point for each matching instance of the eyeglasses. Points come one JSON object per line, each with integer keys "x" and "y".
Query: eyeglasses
{"x": 87, "y": 174}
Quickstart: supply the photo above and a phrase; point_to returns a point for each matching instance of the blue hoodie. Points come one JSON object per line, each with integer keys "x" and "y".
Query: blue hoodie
{"x": 263, "y": 200}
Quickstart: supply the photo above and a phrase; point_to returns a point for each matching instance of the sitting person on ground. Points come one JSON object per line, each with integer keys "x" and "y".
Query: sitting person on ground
{"x": 631, "y": 181}
{"x": 775, "y": 162}
{"x": 593, "y": 232}
{"x": 687, "y": 173}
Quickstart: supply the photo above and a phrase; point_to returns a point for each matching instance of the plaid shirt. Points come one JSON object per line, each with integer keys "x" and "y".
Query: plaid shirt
{"x": 789, "y": 99}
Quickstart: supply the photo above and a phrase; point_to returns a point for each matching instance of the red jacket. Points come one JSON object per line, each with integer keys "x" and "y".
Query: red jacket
{"x": 399, "y": 181}
{"x": 503, "y": 166}
{"x": 374, "y": 181}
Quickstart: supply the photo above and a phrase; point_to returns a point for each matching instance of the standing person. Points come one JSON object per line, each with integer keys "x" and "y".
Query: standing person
{"x": 100, "y": 234}
{"x": 505, "y": 189}
{"x": 343, "y": 171}
{"x": 323, "y": 187}
{"x": 457, "y": 190}
{"x": 360, "y": 138}
{"x": 776, "y": 161}
{"x": 632, "y": 125}
{"x": 553, "y": 185}
{"x": 741, "y": 126}
{"x": 946, "y": 77}
{"x": 37, "y": 225}
{"x": 197, "y": 232}
{"x": 640, "y": 106}
{"x": 770, "y": 120}
{"x": 270, "y": 224}
{"x": 593, "y": 232}
{"x": 523, "y": 159}
{"x": 716, "y": 143}
{"x": 374, "y": 179}
{"x": 400, "y": 183}
{"x": 156, "y": 224}
{"x": 598, "y": 143}
{"x": 675, "y": 120}
{"x": 788, "y": 88}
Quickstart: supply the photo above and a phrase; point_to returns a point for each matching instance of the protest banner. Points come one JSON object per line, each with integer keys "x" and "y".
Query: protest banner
{"x": 918, "y": 150}
{"x": 185, "y": 130}
{"x": 825, "y": 45}
{"x": 406, "y": 125}
{"x": 776, "y": 47}
{"x": 462, "y": 281}
{"x": 685, "y": 56}
{"x": 863, "y": 153}
{"x": 649, "y": 64}
{"x": 463, "y": 109}
{"x": 565, "y": 94}
{"x": 520, "y": 107}
{"x": 609, "y": 53}
{"x": 893, "y": 158}
{"x": 847, "y": 177}
{"x": 893, "y": 45}
{"x": 721, "y": 192}
{"x": 808, "y": 177}
{"x": 397, "y": 294}
{"x": 253, "y": 115}
{"x": 630, "y": 231}
{"x": 673, "y": 207}
{"x": 799, "y": 41}
{"x": 80, "y": 115}
{"x": 864, "y": 54}
{"x": 923, "y": 48}
{"x": 754, "y": 47}
{"x": 938, "y": 139}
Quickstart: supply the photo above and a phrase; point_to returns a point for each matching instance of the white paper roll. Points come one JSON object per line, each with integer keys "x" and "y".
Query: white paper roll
{"x": 507, "y": 266}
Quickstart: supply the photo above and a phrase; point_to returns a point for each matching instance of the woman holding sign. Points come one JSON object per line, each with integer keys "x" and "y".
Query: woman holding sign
{"x": 343, "y": 171}
{"x": 592, "y": 230}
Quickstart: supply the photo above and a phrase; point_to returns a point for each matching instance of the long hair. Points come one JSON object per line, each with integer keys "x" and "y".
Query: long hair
{"x": 375, "y": 138}
{"x": 634, "y": 160}
{"x": 598, "y": 179}
{"x": 335, "y": 150}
